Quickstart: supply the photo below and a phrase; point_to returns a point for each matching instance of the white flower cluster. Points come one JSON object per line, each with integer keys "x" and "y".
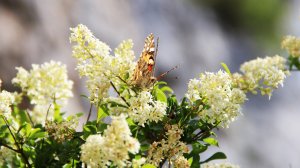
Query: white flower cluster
{"x": 215, "y": 90}
{"x": 172, "y": 148}
{"x": 264, "y": 74}
{"x": 143, "y": 109}
{"x": 112, "y": 148}
{"x": 92, "y": 153}
{"x": 292, "y": 45}
{"x": 46, "y": 83}
{"x": 6, "y": 100}
{"x": 219, "y": 165}
{"x": 96, "y": 63}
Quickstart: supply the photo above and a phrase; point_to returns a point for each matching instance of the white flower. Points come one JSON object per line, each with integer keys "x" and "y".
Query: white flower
{"x": 96, "y": 63}
{"x": 46, "y": 83}
{"x": 265, "y": 74}
{"x": 292, "y": 45}
{"x": 92, "y": 153}
{"x": 118, "y": 135}
{"x": 215, "y": 90}
{"x": 193, "y": 93}
{"x": 6, "y": 100}
{"x": 219, "y": 165}
{"x": 123, "y": 59}
{"x": 143, "y": 109}
{"x": 112, "y": 148}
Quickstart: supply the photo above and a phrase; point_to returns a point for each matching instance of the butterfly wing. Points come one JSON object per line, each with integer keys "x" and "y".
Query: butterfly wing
{"x": 144, "y": 72}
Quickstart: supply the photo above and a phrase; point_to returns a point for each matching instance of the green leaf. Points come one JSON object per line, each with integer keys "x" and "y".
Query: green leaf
{"x": 198, "y": 148}
{"x": 184, "y": 101}
{"x": 226, "y": 68}
{"x": 36, "y": 133}
{"x": 218, "y": 155}
{"x": 27, "y": 127}
{"x": 57, "y": 114}
{"x": 144, "y": 148}
{"x": 172, "y": 100}
{"x": 196, "y": 161}
{"x": 24, "y": 128}
{"x": 3, "y": 128}
{"x": 293, "y": 61}
{"x": 116, "y": 104}
{"x": 101, "y": 127}
{"x": 126, "y": 76}
{"x": 71, "y": 164}
{"x": 166, "y": 89}
{"x": 160, "y": 95}
{"x": 84, "y": 96}
{"x": 79, "y": 114}
{"x": 130, "y": 122}
{"x": 148, "y": 166}
{"x": 211, "y": 141}
{"x": 102, "y": 113}
{"x": 20, "y": 115}
{"x": 161, "y": 83}
{"x": 89, "y": 129}
{"x": 190, "y": 160}
{"x": 137, "y": 157}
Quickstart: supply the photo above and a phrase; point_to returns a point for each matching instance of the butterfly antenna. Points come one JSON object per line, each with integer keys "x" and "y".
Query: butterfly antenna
{"x": 163, "y": 74}
{"x": 156, "y": 50}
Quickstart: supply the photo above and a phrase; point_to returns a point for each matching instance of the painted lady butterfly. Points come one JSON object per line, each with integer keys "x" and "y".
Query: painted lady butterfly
{"x": 143, "y": 76}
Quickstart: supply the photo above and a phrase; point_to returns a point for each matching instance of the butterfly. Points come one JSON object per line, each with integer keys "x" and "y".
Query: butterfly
{"x": 143, "y": 75}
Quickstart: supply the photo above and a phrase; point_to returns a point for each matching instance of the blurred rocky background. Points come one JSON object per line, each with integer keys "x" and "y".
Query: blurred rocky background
{"x": 196, "y": 35}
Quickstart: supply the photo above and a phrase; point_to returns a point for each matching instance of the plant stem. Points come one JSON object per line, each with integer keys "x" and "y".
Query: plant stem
{"x": 30, "y": 119}
{"x": 199, "y": 135}
{"x": 90, "y": 112}
{"x": 47, "y": 113}
{"x": 20, "y": 149}
{"x": 119, "y": 94}
{"x": 11, "y": 148}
